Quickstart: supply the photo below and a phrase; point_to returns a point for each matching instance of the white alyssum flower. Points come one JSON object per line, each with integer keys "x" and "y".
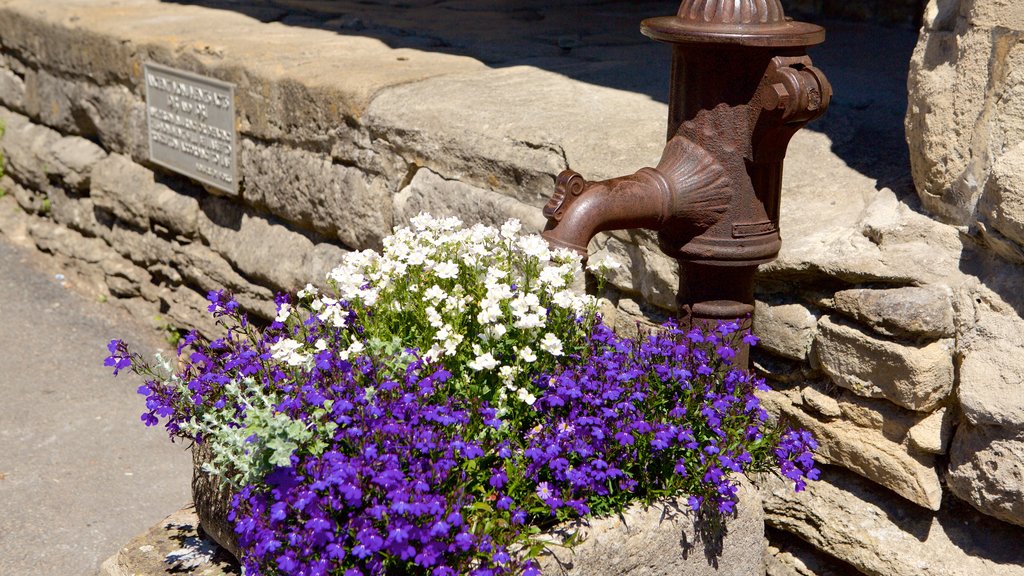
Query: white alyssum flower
{"x": 551, "y": 344}
{"x": 307, "y": 292}
{"x": 288, "y": 351}
{"x": 603, "y": 266}
{"x": 435, "y": 294}
{"x": 284, "y": 310}
{"x": 446, "y": 270}
{"x": 484, "y": 361}
{"x": 510, "y": 228}
{"x": 354, "y": 349}
{"x": 527, "y": 355}
{"x": 524, "y": 395}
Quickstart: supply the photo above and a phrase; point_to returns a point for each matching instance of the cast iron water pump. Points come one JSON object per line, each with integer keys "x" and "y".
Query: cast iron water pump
{"x": 741, "y": 86}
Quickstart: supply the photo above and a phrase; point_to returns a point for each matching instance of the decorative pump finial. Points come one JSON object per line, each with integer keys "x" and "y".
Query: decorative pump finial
{"x": 733, "y": 12}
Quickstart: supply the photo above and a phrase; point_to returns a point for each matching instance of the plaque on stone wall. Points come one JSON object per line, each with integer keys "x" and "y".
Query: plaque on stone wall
{"x": 192, "y": 125}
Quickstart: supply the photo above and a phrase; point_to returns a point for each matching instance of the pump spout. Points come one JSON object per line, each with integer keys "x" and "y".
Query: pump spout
{"x": 687, "y": 191}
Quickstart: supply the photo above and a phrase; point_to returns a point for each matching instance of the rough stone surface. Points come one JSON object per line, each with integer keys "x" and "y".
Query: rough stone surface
{"x": 645, "y": 271}
{"x": 116, "y": 184}
{"x": 867, "y": 452}
{"x": 429, "y": 192}
{"x": 528, "y": 149}
{"x": 822, "y": 404}
{"x": 665, "y": 539}
{"x": 1003, "y": 202}
{"x": 966, "y": 106}
{"x": 932, "y": 435}
{"x": 915, "y": 377}
{"x": 249, "y": 241}
{"x": 992, "y": 366}
{"x": 74, "y": 158}
{"x": 309, "y": 189}
{"x": 26, "y": 149}
{"x": 909, "y": 312}
{"x": 785, "y": 329}
{"x": 871, "y": 238}
{"x": 986, "y": 469}
{"x": 173, "y": 546}
{"x": 877, "y": 533}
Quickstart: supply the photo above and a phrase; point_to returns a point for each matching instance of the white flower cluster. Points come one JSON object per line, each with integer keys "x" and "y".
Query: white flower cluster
{"x": 493, "y": 299}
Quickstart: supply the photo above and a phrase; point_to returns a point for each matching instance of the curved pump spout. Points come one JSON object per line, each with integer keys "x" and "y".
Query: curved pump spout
{"x": 688, "y": 189}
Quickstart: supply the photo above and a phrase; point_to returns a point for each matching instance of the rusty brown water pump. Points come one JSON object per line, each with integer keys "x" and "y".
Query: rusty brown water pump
{"x": 741, "y": 86}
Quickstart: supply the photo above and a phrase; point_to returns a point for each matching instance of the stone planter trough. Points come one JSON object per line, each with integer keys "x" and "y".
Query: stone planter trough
{"x": 661, "y": 540}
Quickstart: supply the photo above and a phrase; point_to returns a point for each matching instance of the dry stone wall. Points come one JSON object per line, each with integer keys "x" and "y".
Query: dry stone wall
{"x": 894, "y": 336}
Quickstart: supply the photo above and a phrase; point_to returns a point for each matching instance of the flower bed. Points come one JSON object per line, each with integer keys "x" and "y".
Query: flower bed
{"x": 447, "y": 401}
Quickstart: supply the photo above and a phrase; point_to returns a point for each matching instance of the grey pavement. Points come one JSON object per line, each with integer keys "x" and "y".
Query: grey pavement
{"x": 79, "y": 473}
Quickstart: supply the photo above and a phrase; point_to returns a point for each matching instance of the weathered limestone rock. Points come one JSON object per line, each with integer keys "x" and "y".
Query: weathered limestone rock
{"x": 1003, "y": 202}
{"x": 966, "y": 107}
{"x": 12, "y": 90}
{"x": 115, "y": 183}
{"x": 205, "y": 270}
{"x": 249, "y": 242}
{"x": 932, "y": 435}
{"x": 824, "y": 405}
{"x": 173, "y": 546}
{"x": 665, "y": 539}
{"x": 74, "y": 158}
{"x": 909, "y": 312}
{"x": 992, "y": 369}
{"x": 871, "y": 236}
{"x": 527, "y": 149}
{"x": 26, "y": 149}
{"x": 867, "y": 452}
{"x": 915, "y": 377}
{"x": 853, "y": 520}
{"x": 878, "y": 414}
{"x": 310, "y": 190}
{"x": 110, "y": 113}
{"x": 429, "y": 192}
{"x": 986, "y": 469}
{"x": 644, "y": 270}
{"x": 785, "y": 329}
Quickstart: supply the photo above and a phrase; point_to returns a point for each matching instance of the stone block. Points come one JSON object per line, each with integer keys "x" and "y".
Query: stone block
{"x": 854, "y": 520}
{"x": 909, "y": 312}
{"x": 822, "y": 404}
{"x": 130, "y": 192}
{"x": 867, "y": 452}
{"x": 986, "y": 469}
{"x": 74, "y": 158}
{"x": 429, "y": 192}
{"x": 307, "y": 188}
{"x": 117, "y": 183}
{"x": 518, "y": 155}
{"x": 965, "y": 101}
{"x": 26, "y": 148}
{"x": 879, "y": 414}
{"x": 665, "y": 538}
{"x": 175, "y": 545}
{"x": 932, "y": 435}
{"x": 264, "y": 251}
{"x": 785, "y": 329}
{"x": 12, "y": 90}
{"x": 644, "y": 271}
{"x": 992, "y": 366}
{"x": 915, "y": 377}
{"x": 1003, "y": 203}
{"x": 205, "y": 270}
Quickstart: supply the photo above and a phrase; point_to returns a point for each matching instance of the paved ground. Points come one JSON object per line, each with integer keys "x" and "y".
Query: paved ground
{"x": 79, "y": 473}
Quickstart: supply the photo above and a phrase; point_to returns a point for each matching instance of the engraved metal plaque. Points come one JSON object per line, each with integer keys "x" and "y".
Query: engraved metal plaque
{"x": 192, "y": 125}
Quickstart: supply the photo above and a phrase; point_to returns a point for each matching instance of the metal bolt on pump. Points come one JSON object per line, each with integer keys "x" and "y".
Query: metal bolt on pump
{"x": 741, "y": 86}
